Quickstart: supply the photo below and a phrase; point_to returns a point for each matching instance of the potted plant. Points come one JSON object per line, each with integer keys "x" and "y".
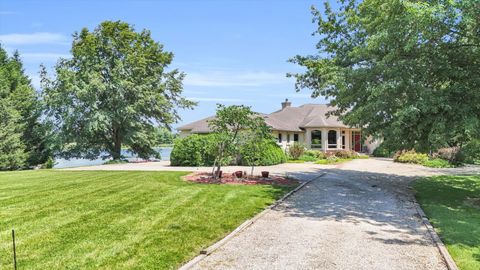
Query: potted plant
{"x": 265, "y": 174}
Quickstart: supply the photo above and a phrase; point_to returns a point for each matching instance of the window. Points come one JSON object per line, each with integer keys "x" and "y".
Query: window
{"x": 316, "y": 139}
{"x": 332, "y": 139}
{"x": 280, "y": 137}
{"x": 295, "y": 137}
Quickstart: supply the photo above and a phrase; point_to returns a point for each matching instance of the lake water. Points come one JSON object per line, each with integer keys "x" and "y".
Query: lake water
{"x": 79, "y": 162}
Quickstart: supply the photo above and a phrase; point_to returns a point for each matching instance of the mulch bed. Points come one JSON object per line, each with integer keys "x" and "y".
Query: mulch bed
{"x": 230, "y": 178}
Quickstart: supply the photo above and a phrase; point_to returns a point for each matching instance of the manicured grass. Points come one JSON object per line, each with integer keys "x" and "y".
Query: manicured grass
{"x": 437, "y": 163}
{"x": 452, "y": 204}
{"x": 295, "y": 161}
{"x": 332, "y": 161}
{"x": 117, "y": 220}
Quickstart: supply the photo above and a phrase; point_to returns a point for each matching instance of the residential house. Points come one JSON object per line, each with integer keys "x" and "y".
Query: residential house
{"x": 307, "y": 124}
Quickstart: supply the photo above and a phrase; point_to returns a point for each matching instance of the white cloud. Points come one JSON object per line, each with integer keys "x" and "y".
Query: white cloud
{"x": 231, "y": 78}
{"x": 43, "y": 57}
{"x": 217, "y": 99}
{"x": 33, "y": 38}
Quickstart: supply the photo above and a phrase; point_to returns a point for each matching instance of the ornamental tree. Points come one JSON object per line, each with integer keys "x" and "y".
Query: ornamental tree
{"x": 112, "y": 92}
{"x": 228, "y": 123}
{"x": 403, "y": 70}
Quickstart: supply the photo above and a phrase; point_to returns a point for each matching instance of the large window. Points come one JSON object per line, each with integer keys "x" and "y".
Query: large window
{"x": 332, "y": 139}
{"x": 316, "y": 139}
{"x": 295, "y": 137}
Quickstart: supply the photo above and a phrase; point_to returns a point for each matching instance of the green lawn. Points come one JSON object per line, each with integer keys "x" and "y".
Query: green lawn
{"x": 117, "y": 220}
{"x": 452, "y": 203}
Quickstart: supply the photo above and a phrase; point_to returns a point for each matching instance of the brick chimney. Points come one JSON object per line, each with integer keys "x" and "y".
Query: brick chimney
{"x": 286, "y": 103}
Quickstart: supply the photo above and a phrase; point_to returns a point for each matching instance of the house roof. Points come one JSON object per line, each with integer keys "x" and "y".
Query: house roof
{"x": 287, "y": 119}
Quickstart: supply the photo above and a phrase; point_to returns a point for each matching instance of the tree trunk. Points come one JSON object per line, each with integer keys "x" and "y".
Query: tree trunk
{"x": 117, "y": 147}
{"x": 219, "y": 164}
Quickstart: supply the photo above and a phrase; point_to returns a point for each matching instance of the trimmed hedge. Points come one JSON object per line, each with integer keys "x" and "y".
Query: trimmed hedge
{"x": 272, "y": 154}
{"x": 197, "y": 150}
{"x": 193, "y": 150}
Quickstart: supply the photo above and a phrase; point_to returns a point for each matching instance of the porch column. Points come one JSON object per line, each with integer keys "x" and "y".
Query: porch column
{"x": 348, "y": 134}
{"x": 308, "y": 138}
{"x": 324, "y": 139}
{"x": 339, "y": 139}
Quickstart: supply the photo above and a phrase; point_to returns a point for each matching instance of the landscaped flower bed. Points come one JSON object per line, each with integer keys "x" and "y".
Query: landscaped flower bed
{"x": 230, "y": 178}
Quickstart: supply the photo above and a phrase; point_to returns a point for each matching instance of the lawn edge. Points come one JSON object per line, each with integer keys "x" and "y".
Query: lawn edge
{"x": 447, "y": 258}
{"x": 206, "y": 252}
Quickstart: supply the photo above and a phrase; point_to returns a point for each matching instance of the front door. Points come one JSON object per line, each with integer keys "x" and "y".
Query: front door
{"x": 356, "y": 141}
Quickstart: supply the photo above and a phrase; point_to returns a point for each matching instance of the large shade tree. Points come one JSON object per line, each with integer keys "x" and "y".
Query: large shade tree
{"x": 23, "y": 134}
{"x": 406, "y": 71}
{"x": 112, "y": 92}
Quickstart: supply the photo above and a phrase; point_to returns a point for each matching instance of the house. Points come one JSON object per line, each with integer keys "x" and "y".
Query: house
{"x": 307, "y": 124}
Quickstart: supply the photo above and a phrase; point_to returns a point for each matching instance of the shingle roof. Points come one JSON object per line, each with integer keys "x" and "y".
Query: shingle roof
{"x": 287, "y": 119}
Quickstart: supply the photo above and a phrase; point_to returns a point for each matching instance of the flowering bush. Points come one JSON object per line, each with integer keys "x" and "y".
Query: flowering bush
{"x": 296, "y": 150}
{"x": 410, "y": 156}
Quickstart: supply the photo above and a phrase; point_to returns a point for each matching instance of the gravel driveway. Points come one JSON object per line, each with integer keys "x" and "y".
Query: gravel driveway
{"x": 358, "y": 216}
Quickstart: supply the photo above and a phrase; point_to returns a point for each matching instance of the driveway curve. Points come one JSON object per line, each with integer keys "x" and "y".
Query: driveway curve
{"x": 360, "y": 215}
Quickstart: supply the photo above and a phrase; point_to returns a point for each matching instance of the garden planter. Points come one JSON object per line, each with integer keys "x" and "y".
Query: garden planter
{"x": 265, "y": 174}
{"x": 239, "y": 174}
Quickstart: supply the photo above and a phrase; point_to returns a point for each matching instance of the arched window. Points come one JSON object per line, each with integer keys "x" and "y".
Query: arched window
{"x": 316, "y": 139}
{"x": 332, "y": 139}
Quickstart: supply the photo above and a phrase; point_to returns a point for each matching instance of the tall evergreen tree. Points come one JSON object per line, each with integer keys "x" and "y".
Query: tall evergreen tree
{"x": 21, "y": 110}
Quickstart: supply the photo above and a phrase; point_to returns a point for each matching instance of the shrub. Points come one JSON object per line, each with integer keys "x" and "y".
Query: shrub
{"x": 193, "y": 150}
{"x": 114, "y": 161}
{"x": 315, "y": 154}
{"x": 451, "y": 154}
{"x": 437, "y": 163}
{"x": 49, "y": 163}
{"x": 346, "y": 154}
{"x": 333, "y": 159}
{"x": 382, "y": 151}
{"x": 470, "y": 152}
{"x": 271, "y": 154}
{"x": 308, "y": 158}
{"x": 296, "y": 150}
{"x": 410, "y": 156}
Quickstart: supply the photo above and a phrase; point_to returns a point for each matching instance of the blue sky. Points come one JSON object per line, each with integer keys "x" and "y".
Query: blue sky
{"x": 233, "y": 52}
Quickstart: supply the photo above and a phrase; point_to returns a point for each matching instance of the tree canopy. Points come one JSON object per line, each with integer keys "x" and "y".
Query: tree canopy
{"x": 406, "y": 71}
{"x": 23, "y": 136}
{"x": 112, "y": 92}
{"x": 229, "y": 124}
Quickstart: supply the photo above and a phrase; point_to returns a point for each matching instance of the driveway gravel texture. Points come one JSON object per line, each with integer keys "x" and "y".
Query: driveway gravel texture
{"x": 359, "y": 215}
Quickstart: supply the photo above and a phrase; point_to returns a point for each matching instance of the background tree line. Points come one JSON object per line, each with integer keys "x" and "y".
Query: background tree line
{"x": 405, "y": 71}
{"x": 115, "y": 91}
